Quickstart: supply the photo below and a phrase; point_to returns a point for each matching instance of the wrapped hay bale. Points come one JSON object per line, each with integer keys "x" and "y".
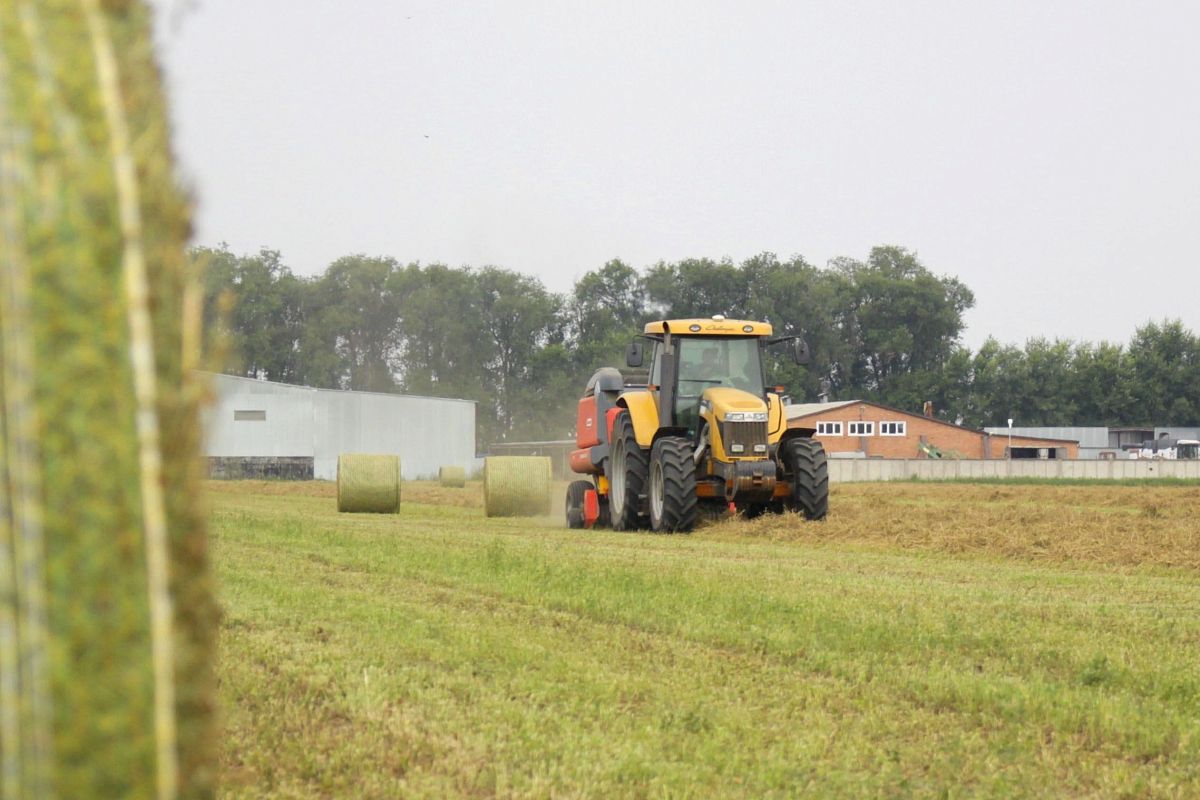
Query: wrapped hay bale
{"x": 368, "y": 483}
{"x": 107, "y": 615}
{"x": 452, "y": 477}
{"x": 516, "y": 486}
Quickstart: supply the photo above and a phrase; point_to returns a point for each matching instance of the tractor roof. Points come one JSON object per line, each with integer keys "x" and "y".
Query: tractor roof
{"x": 711, "y": 326}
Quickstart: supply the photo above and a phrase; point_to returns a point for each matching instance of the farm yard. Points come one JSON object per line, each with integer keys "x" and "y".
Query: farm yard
{"x": 997, "y": 640}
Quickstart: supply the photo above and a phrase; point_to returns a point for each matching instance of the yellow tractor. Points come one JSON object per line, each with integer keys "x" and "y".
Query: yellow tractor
{"x": 703, "y": 432}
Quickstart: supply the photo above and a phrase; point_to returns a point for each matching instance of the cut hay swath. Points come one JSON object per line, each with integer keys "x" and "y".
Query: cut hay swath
{"x": 368, "y": 483}
{"x": 107, "y": 617}
{"x": 452, "y": 477}
{"x": 516, "y": 486}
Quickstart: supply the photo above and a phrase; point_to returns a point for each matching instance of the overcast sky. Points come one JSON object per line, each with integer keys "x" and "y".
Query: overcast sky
{"x": 1046, "y": 153}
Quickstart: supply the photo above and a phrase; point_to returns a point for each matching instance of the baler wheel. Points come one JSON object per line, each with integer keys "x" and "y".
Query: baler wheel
{"x": 575, "y": 492}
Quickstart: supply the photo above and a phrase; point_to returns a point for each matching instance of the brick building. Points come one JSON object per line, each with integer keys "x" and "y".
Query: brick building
{"x": 866, "y": 429}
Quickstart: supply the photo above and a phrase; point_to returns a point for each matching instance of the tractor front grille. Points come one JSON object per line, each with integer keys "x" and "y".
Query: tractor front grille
{"x": 746, "y": 434}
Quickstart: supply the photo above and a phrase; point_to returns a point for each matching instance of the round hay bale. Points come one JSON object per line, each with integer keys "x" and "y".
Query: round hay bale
{"x": 108, "y": 621}
{"x": 452, "y": 477}
{"x": 516, "y": 486}
{"x": 368, "y": 483}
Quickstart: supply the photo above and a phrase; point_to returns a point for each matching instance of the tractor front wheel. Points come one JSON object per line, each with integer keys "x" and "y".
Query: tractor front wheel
{"x": 627, "y": 473}
{"x": 805, "y": 460}
{"x": 673, "y": 501}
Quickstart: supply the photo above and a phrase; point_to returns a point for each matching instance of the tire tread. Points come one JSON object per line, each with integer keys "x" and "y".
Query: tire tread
{"x": 575, "y": 494}
{"x": 680, "y": 503}
{"x": 637, "y": 465}
{"x": 806, "y": 460}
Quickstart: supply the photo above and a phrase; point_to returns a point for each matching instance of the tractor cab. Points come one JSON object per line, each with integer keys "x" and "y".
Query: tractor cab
{"x": 711, "y": 370}
{"x": 710, "y": 362}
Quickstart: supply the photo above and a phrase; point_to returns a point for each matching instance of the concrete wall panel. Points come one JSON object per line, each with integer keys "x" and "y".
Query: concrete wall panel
{"x": 850, "y": 471}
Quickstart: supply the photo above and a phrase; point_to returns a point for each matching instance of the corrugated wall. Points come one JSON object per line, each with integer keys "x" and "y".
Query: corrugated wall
{"x": 1088, "y": 437}
{"x": 426, "y": 432}
{"x": 296, "y": 421}
{"x": 285, "y": 432}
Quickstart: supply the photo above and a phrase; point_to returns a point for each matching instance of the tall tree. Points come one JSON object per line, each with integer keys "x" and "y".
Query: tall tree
{"x": 1102, "y": 385}
{"x": 901, "y": 317}
{"x": 1165, "y": 361}
{"x": 885, "y": 329}
{"x": 1050, "y": 401}
{"x": 798, "y": 298}
{"x": 1000, "y": 385}
{"x": 257, "y": 300}
{"x": 697, "y": 287}
{"x": 517, "y": 319}
{"x": 354, "y": 315}
{"x": 440, "y": 336}
{"x": 606, "y": 308}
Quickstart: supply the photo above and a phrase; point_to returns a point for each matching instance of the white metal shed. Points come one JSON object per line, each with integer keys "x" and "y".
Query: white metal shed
{"x": 255, "y": 420}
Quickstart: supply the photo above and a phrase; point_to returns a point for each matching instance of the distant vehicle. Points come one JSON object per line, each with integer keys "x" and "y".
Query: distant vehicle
{"x": 1167, "y": 450}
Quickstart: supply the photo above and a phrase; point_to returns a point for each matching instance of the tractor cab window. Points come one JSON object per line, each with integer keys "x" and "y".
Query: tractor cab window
{"x": 706, "y": 361}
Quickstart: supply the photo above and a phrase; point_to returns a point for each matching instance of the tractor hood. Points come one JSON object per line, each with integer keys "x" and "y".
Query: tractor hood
{"x": 724, "y": 400}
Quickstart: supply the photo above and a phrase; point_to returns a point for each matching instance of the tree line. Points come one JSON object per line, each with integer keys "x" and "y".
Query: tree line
{"x": 884, "y": 329}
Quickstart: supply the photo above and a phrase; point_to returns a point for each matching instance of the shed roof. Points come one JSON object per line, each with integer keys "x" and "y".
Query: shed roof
{"x": 214, "y": 377}
{"x": 798, "y": 410}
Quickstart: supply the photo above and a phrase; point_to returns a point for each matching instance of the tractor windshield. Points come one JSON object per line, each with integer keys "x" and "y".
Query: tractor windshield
{"x": 706, "y": 361}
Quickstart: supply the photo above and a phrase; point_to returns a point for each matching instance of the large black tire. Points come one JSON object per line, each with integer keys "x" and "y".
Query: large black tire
{"x": 672, "y": 485}
{"x": 805, "y": 462}
{"x": 627, "y": 469}
{"x": 575, "y": 493}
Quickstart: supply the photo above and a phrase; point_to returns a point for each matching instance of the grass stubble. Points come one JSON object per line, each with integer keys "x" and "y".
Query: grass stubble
{"x": 926, "y": 640}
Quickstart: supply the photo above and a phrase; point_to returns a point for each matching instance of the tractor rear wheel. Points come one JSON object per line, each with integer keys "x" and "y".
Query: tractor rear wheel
{"x": 627, "y": 471}
{"x": 805, "y": 460}
{"x": 672, "y": 485}
{"x": 575, "y": 493}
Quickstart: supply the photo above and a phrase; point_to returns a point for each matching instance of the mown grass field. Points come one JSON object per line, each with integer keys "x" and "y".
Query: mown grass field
{"x": 927, "y": 640}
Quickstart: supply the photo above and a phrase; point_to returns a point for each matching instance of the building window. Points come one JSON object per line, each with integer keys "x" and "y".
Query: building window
{"x": 829, "y": 429}
{"x": 862, "y": 429}
{"x": 249, "y": 415}
{"x": 893, "y": 428}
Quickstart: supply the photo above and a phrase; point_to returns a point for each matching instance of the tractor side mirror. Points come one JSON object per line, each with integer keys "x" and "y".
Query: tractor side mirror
{"x": 800, "y": 352}
{"x": 634, "y": 354}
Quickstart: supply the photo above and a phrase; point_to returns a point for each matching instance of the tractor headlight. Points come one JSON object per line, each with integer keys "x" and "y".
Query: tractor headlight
{"x": 745, "y": 416}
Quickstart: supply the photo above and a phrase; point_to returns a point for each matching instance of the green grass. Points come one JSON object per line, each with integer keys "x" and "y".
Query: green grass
{"x": 442, "y": 654}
